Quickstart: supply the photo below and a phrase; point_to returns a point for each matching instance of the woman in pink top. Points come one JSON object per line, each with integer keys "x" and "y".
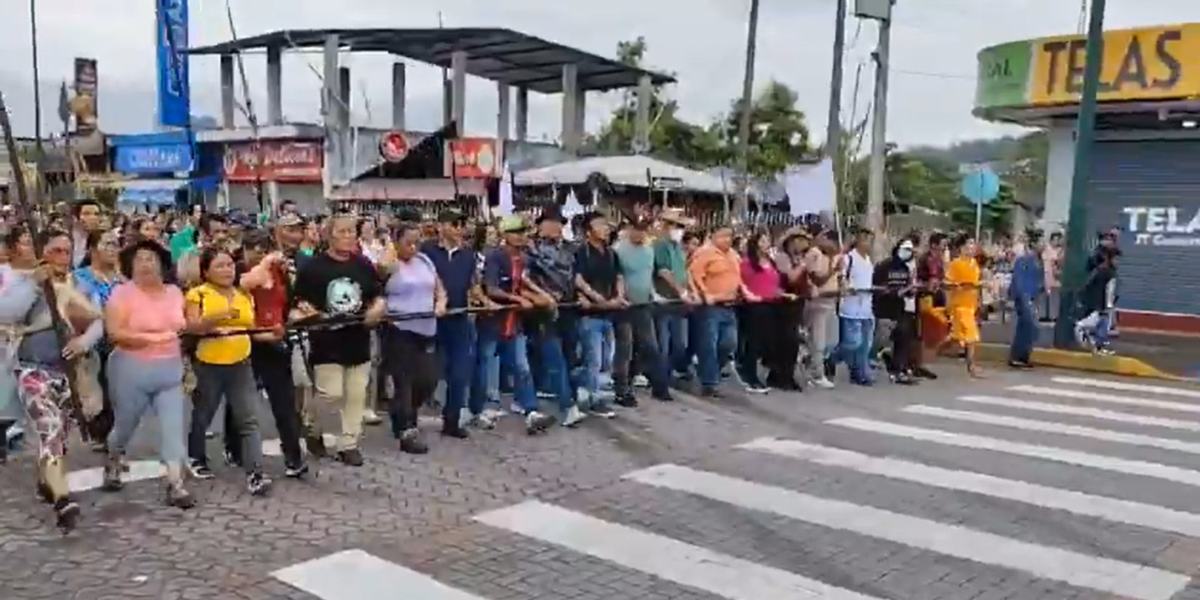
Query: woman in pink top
{"x": 756, "y": 322}
{"x": 144, "y": 317}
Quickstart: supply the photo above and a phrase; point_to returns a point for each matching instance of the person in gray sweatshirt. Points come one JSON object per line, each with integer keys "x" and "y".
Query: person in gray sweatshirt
{"x": 41, "y": 361}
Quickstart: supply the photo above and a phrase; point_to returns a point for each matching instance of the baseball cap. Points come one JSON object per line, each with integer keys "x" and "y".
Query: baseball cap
{"x": 513, "y": 224}
{"x": 451, "y": 216}
{"x": 289, "y": 220}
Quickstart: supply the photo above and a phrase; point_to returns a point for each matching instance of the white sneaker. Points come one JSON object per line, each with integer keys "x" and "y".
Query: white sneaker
{"x": 371, "y": 418}
{"x": 573, "y": 417}
{"x": 493, "y": 413}
{"x": 537, "y": 422}
{"x": 640, "y": 381}
{"x": 482, "y": 421}
{"x": 823, "y": 383}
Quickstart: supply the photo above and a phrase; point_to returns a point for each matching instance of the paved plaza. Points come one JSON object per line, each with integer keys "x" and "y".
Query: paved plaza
{"x": 1020, "y": 486}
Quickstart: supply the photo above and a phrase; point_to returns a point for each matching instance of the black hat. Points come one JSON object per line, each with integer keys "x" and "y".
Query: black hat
{"x": 551, "y": 212}
{"x": 451, "y": 216}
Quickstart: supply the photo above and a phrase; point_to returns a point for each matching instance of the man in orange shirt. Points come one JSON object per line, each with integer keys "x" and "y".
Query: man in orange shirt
{"x": 715, "y": 273}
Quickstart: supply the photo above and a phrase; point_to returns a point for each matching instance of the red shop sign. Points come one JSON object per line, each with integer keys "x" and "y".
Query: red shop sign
{"x": 279, "y": 161}
{"x": 472, "y": 158}
{"x": 393, "y": 146}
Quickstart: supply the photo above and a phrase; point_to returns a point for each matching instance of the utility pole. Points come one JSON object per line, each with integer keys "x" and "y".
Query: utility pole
{"x": 743, "y": 207}
{"x": 1075, "y": 266}
{"x": 833, "y": 129}
{"x": 877, "y": 182}
{"x": 37, "y": 81}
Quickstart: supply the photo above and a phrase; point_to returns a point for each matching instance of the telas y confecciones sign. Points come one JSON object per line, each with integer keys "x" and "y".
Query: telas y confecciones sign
{"x": 1163, "y": 225}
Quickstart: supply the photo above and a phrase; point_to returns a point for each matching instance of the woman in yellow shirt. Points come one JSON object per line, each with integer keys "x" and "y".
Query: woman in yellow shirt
{"x": 963, "y": 276}
{"x": 222, "y": 366}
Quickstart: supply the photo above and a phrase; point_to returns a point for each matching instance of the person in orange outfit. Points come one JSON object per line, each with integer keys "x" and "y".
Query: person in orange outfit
{"x": 963, "y": 276}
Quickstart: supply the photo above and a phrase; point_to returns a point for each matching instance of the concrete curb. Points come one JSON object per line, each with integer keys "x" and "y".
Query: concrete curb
{"x": 1124, "y": 366}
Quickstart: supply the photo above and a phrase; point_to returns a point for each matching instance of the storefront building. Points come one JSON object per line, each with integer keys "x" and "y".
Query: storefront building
{"x": 163, "y": 169}
{"x": 284, "y": 169}
{"x": 1144, "y": 175}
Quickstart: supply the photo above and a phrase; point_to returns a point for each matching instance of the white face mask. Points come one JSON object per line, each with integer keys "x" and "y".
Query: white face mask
{"x": 904, "y": 254}
{"x": 677, "y": 235}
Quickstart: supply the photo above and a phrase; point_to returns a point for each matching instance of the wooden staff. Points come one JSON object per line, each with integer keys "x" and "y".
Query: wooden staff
{"x": 25, "y": 207}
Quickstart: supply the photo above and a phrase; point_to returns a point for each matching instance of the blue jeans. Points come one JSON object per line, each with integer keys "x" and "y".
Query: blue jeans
{"x": 856, "y": 338}
{"x": 672, "y": 331}
{"x": 514, "y": 358}
{"x": 456, "y": 345}
{"x": 717, "y": 344}
{"x": 1025, "y": 331}
{"x": 555, "y": 372}
{"x": 593, "y": 336}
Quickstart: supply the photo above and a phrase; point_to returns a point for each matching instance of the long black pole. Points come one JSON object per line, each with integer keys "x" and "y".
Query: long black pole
{"x": 37, "y": 80}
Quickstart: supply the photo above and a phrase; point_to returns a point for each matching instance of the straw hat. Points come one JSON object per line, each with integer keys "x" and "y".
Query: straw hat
{"x": 676, "y": 216}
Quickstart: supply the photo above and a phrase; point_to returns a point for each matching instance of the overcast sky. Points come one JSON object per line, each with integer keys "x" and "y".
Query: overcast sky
{"x": 702, "y": 41}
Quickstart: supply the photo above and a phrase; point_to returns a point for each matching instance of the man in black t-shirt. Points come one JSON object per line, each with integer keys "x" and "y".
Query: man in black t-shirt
{"x": 341, "y": 284}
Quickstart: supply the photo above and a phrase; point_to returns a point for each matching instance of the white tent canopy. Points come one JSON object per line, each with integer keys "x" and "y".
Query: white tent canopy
{"x": 622, "y": 170}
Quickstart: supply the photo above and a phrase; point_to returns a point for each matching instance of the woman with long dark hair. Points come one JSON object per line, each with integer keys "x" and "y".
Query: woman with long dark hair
{"x": 222, "y": 365}
{"x": 97, "y": 277}
{"x": 144, "y": 316}
{"x": 757, "y": 321}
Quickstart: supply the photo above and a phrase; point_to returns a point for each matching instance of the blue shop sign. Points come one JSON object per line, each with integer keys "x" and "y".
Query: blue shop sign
{"x": 154, "y": 158}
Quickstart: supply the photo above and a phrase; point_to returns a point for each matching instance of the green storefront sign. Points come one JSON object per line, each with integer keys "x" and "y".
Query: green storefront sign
{"x": 1003, "y": 78}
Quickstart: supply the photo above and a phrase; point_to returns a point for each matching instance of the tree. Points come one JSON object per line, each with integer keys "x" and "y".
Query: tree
{"x": 670, "y": 137}
{"x": 778, "y": 134}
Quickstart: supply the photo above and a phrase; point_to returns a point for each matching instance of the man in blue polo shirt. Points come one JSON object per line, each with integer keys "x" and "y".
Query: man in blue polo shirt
{"x": 455, "y": 263}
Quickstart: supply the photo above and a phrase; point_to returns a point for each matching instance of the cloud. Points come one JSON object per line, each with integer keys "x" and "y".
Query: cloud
{"x": 933, "y": 55}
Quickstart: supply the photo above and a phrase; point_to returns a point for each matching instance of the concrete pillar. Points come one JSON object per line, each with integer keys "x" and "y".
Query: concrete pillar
{"x": 275, "y": 85}
{"x": 458, "y": 83}
{"x": 344, "y": 96}
{"x": 399, "y": 82}
{"x": 580, "y": 115}
{"x": 329, "y": 73}
{"x": 1060, "y": 166}
{"x": 570, "y": 100}
{"x": 227, "y": 98}
{"x": 503, "y": 111}
{"x": 522, "y": 127}
{"x": 641, "y": 123}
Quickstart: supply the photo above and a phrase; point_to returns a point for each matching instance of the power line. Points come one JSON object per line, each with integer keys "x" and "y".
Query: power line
{"x": 934, "y": 74}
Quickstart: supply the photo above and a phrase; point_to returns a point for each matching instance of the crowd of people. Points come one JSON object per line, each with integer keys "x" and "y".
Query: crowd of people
{"x": 105, "y": 318}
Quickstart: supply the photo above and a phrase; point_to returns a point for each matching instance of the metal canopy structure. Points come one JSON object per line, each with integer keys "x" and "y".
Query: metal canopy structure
{"x": 502, "y": 55}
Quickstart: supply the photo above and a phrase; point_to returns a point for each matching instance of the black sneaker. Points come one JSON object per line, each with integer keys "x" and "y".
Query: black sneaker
{"x": 351, "y": 458}
{"x": 295, "y": 471}
{"x": 258, "y": 484}
{"x": 924, "y": 373}
{"x": 628, "y": 400}
{"x": 232, "y": 460}
{"x": 453, "y": 430}
{"x": 830, "y": 369}
{"x": 663, "y": 397}
{"x": 66, "y": 513}
{"x": 316, "y": 446}
{"x": 711, "y": 392}
{"x": 411, "y": 442}
{"x": 200, "y": 469}
{"x": 757, "y": 388}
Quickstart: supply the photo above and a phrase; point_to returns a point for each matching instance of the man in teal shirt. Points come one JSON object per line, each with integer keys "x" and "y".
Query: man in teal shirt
{"x": 635, "y": 258}
{"x": 671, "y": 283}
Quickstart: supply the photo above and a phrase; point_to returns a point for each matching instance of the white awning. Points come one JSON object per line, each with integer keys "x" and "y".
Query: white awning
{"x": 634, "y": 171}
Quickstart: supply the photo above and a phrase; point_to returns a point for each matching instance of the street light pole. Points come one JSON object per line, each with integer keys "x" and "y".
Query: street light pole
{"x": 1075, "y": 265}
{"x": 877, "y": 181}
{"x": 37, "y": 80}
{"x": 833, "y": 128}
{"x": 743, "y": 207}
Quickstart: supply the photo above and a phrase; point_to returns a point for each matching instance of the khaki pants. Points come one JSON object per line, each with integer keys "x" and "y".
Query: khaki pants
{"x": 345, "y": 386}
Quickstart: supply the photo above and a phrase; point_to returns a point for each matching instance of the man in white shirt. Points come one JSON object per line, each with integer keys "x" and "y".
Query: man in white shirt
{"x": 856, "y": 312}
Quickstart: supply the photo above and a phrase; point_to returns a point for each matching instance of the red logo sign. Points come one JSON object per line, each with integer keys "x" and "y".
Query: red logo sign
{"x": 279, "y": 161}
{"x": 472, "y": 158}
{"x": 393, "y": 146}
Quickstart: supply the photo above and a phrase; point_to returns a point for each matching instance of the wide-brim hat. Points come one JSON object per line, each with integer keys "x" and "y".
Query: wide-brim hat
{"x": 676, "y": 216}
{"x": 513, "y": 224}
{"x": 551, "y": 213}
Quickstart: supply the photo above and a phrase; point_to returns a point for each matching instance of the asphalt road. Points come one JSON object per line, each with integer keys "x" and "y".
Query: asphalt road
{"x": 1021, "y": 486}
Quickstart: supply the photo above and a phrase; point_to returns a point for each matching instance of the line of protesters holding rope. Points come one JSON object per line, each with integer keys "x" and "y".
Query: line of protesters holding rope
{"x": 581, "y": 325}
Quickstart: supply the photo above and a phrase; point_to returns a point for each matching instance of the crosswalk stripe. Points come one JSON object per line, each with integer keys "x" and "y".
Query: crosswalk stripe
{"x": 85, "y": 480}
{"x": 1062, "y": 455}
{"x": 1123, "y": 386}
{"x": 686, "y": 564}
{"x": 357, "y": 575}
{"x": 1110, "y": 398}
{"x": 1111, "y": 509}
{"x": 1107, "y": 435}
{"x": 1085, "y": 411}
{"x": 1106, "y": 575}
